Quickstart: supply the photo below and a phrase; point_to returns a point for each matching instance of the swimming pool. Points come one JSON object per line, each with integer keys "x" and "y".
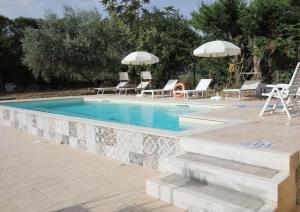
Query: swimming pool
{"x": 151, "y": 115}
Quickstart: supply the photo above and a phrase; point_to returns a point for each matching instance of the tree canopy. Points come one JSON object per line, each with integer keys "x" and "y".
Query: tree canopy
{"x": 267, "y": 31}
{"x": 81, "y": 45}
{"x": 86, "y": 45}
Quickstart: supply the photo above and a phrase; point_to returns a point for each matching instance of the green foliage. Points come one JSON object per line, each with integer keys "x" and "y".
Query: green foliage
{"x": 167, "y": 35}
{"x": 164, "y": 33}
{"x": 220, "y": 19}
{"x": 267, "y": 31}
{"x": 81, "y": 45}
{"x": 11, "y": 67}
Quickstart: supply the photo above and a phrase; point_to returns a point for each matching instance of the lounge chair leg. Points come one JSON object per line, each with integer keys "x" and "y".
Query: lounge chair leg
{"x": 267, "y": 103}
{"x": 285, "y": 108}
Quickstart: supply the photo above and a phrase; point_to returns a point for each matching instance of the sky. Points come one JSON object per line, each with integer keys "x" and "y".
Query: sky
{"x": 37, "y": 8}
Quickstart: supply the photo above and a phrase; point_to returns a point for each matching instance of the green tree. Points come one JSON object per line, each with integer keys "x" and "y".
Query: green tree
{"x": 164, "y": 33}
{"x": 169, "y": 36}
{"x": 11, "y": 67}
{"x": 271, "y": 29}
{"x": 219, "y": 20}
{"x": 81, "y": 45}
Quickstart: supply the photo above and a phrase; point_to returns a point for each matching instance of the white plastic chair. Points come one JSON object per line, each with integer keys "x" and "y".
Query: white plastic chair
{"x": 286, "y": 95}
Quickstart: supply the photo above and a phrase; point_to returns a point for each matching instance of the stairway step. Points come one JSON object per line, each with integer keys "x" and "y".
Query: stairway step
{"x": 230, "y": 164}
{"x": 258, "y": 157}
{"x": 258, "y": 181}
{"x": 195, "y": 195}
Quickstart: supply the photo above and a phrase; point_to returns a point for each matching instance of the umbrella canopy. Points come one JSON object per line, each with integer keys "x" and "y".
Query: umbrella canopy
{"x": 217, "y": 48}
{"x": 140, "y": 58}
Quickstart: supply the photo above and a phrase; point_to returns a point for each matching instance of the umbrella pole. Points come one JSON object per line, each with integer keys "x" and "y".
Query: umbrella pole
{"x": 194, "y": 72}
{"x": 141, "y": 76}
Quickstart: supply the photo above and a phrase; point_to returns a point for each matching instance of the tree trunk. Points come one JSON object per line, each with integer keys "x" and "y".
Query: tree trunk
{"x": 256, "y": 63}
{"x": 257, "y": 67}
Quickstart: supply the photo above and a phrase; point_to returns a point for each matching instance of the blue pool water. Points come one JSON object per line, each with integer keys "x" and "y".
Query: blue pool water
{"x": 161, "y": 116}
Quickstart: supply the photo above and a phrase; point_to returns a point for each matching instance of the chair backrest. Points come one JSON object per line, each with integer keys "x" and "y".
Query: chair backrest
{"x": 143, "y": 85}
{"x": 123, "y": 76}
{"x": 146, "y": 75}
{"x": 251, "y": 85}
{"x": 170, "y": 85}
{"x": 203, "y": 84}
{"x": 121, "y": 84}
{"x": 295, "y": 82}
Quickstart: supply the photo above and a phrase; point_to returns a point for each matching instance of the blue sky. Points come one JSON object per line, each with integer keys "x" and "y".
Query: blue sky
{"x": 37, "y": 8}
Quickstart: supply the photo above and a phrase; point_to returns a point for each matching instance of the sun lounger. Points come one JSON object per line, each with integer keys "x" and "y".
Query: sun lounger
{"x": 146, "y": 80}
{"x": 202, "y": 88}
{"x": 167, "y": 89}
{"x": 124, "y": 79}
{"x": 285, "y": 95}
{"x": 140, "y": 87}
{"x": 250, "y": 86}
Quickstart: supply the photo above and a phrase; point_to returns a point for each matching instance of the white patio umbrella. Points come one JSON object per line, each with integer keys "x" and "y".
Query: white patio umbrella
{"x": 140, "y": 58}
{"x": 217, "y": 48}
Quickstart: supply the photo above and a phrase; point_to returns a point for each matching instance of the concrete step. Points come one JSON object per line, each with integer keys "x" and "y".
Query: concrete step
{"x": 199, "y": 196}
{"x": 259, "y": 157}
{"x": 262, "y": 182}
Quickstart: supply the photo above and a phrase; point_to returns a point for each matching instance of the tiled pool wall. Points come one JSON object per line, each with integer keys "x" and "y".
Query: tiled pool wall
{"x": 124, "y": 145}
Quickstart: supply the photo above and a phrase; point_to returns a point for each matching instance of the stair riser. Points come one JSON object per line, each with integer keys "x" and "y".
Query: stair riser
{"x": 273, "y": 160}
{"x": 187, "y": 201}
{"x": 255, "y": 186}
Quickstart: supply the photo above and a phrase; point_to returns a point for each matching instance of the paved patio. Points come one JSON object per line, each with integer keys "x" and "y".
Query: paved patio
{"x": 38, "y": 176}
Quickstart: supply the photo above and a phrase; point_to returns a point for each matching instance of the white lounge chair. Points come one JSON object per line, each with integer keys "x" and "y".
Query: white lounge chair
{"x": 202, "y": 88}
{"x": 286, "y": 95}
{"x": 249, "y": 86}
{"x": 124, "y": 79}
{"x": 146, "y": 80}
{"x": 167, "y": 89}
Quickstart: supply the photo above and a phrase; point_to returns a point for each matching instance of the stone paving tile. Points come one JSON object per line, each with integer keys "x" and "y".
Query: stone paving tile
{"x": 22, "y": 199}
{"x": 8, "y": 206}
{"x": 2, "y": 184}
{"x": 36, "y": 175}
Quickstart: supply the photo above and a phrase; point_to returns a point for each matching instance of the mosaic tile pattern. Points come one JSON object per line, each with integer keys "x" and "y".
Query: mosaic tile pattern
{"x": 124, "y": 145}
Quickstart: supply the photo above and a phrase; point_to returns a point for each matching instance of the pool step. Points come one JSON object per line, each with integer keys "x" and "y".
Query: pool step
{"x": 199, "y": 196}
{"x": 259, "y": 181}
{"x": 259, "y": 157}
